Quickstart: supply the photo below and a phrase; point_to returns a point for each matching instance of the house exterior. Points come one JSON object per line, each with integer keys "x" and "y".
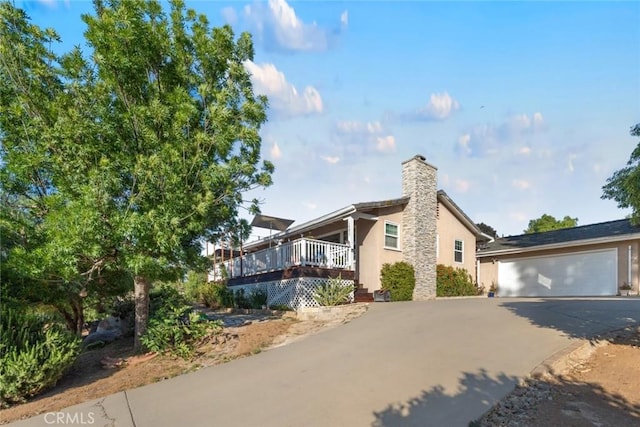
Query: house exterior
{"x": 591, "y": 260}
{"x": 423, "y": 227}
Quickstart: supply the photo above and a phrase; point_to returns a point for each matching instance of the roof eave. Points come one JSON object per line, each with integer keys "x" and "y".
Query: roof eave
{"x": 561, "y": 245}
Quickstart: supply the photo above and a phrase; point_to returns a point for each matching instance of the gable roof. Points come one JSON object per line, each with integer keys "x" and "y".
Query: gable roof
{"x": 366, "y": 206}
{"x": 603, "y": 232}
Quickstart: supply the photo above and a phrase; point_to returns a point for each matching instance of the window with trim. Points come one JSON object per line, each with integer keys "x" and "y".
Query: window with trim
{"x": 391, "y": 235}
{"x": 458, "y": 248}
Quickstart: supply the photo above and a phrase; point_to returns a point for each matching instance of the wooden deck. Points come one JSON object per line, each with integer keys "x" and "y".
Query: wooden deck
{"x": 292, "y": 273}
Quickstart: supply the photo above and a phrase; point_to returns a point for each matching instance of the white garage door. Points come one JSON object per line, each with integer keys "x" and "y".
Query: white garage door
{"x": 590, "y": 273}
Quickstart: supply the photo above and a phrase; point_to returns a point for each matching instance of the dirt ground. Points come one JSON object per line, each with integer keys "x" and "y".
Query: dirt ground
{"x": 603, "y": 390}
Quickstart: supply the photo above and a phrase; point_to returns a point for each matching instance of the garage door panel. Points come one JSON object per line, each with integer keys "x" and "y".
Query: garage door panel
{"x": 577, "y": 274}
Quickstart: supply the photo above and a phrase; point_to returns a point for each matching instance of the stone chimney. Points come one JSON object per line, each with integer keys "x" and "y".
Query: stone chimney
{"x": 419, "y": 182}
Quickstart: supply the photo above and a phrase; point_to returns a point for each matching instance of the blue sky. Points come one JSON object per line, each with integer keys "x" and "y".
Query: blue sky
{"x": 524, "y": 107}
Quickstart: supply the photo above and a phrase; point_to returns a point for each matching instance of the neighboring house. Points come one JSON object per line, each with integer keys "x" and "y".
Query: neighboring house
{"x": 590, "y": 260}
{"x": 423, "y": 227}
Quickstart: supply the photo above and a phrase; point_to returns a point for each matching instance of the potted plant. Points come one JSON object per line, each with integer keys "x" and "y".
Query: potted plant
{"x": 625, "y": 288}
{"x": 492, "y": 290}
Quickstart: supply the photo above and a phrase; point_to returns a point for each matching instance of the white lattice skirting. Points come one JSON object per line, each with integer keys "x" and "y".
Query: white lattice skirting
{"x": 294, "y": 293}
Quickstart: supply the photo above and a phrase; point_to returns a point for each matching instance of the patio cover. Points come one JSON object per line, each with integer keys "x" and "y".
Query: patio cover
{"x": 271, "y": 222}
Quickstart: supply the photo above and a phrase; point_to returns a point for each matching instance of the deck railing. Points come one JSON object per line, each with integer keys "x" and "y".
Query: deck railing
{"x": 302, "y": 252}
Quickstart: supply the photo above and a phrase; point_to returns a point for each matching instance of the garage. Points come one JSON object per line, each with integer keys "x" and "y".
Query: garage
{"x": 585, "y": 273}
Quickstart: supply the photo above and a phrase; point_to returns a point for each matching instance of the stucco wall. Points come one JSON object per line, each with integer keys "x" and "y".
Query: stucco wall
{"x": 449, "y": 230}
{"x": 489, "y": 269}
{"x": 372, "y": 253}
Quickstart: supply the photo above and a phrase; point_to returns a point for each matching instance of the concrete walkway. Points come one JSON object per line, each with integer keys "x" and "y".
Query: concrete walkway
{"x": 439, "y": 363}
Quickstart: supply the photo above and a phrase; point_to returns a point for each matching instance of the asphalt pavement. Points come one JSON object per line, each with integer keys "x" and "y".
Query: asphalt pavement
{"x": 437, "y": 363}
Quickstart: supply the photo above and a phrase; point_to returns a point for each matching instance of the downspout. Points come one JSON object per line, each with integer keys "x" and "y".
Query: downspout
{"x": 477, "y": 272}
{"x": 629, "y": 267}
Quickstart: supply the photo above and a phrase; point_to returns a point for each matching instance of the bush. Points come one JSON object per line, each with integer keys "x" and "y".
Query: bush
{"x": 398, "y": 278}
{"x": 334, "y": 292}
{"x": 256, "y": 299}
{"x": 195, "y": 285}
{"x": 216, "y": 295}
{"x": 35, "y": 352}
{"x": 173, "y": 325}
{"x": 454, "y": 282}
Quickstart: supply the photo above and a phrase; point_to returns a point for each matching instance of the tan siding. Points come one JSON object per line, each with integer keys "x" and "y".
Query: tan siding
{"x": 372, "y": 253}
{"x": 450, "y": 229}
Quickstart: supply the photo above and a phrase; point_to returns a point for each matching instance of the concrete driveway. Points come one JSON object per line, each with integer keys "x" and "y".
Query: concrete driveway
{"x": 438, "y": 363}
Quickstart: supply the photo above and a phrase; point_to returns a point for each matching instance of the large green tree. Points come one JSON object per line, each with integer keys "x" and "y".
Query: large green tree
{"x": 624, "y": 185}
{"x": 548, "y": 222}
{"x": 132, "y": 155}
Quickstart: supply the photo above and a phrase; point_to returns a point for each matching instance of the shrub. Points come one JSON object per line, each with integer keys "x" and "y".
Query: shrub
{"x": 256, "y": 299}
{"x": 334, "y": 292}
{"x": 35, "y": 352}
{"x": 240, "y": 300}
{"x": 194, "y": 285}
{"x": 173, "y": 325}
{"x": 216, "y": 295}
{"x": 398, "y": 278}
{"x": 454, "y": 282}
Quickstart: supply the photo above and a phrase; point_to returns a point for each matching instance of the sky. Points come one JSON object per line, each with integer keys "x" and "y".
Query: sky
{"x": 524, "y": 107}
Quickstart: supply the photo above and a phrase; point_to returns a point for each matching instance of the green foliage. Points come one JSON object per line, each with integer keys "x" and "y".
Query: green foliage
{"x": 193, "y": 285}
{"x": 124, "y": 159}
{"x": 173, "y": 325}
{"x": 255, "y": 300}
{"x": 35, "y": 352}
{"x": 487, "y": 229}
{"x": 216, "y": 295}
{"x": 549, "y": 223}
{"x": 454, "y": 282}
{"x": 623, "y": 186}
{"x": 398, "y": 278}
{"x": 334, "y": 292}
{"x": 280, "y": 307}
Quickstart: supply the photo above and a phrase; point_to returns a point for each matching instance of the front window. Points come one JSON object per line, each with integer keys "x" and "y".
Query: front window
{"x": 458, "y": 248}
{"x": 391, "y": 235}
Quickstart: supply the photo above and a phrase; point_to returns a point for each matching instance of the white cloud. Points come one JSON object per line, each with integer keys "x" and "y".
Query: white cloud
{"x": 488, "y": 139}
{"x": 344, "y": 18}
{"x": 440, "y": 107}
{"x": 284, "y": 97}
{"x": 570, "y": 165}
{"x": 275, "y": 151}
{"x": 521, "y": 184}
{"x": 524, "y": 150}
{"x": 386, "y": 144}
{"x": 463, "y": 143}
{"x": 230, "y": 16}
{"x": 279, "y": 28}
{"x": 330, "y": 159}
{"x": 53, "y": 4}
{"x": 462, "y": 185}
{"x": 357, "y": 137}
{"x": 309, "y": 205}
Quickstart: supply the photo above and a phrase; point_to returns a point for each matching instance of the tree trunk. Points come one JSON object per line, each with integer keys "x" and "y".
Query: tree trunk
{"x": 78, "y": 312}
{"x": 141, "y": 286}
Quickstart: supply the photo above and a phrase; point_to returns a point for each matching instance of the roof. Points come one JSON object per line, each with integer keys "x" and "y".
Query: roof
{"x": 603, "y": 232}
{"x": 332, "y": 217}
{"x": 365, "y": 206}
